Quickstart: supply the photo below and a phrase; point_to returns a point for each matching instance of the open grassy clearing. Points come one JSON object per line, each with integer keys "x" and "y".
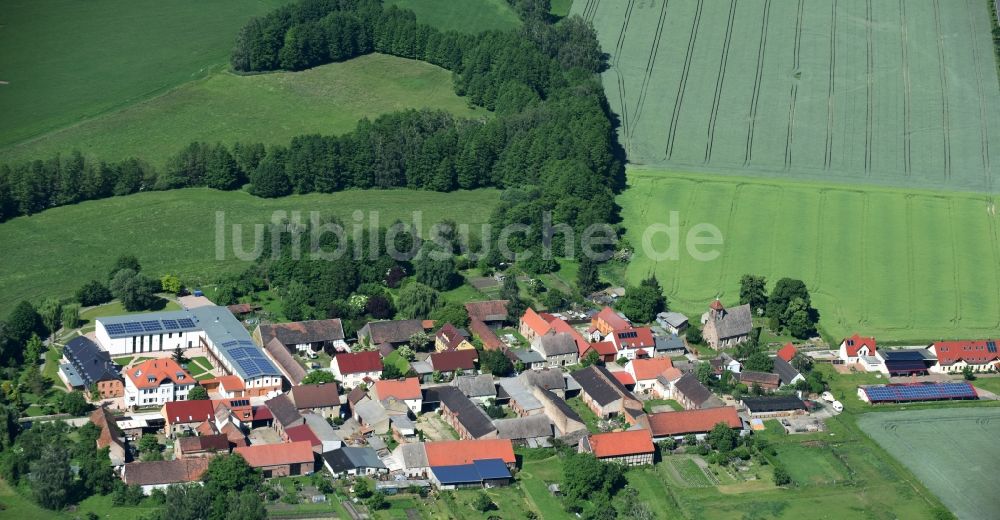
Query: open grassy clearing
{"x": 959, "y": 477}
{"x": 894, "y": 93}
{"x": 174, "y": 232}
{"x": 269, "y": 108}
{"x": 63, "y": 60}
{"x": 897, "y": 264}
{"x": 468, "y": 16}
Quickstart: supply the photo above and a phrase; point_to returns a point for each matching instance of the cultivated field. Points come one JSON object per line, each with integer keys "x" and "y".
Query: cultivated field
{"x": 897, "y": 264}
{"x": 960, "y": 477}
{"x": 469, "y": 16}
{"x": 270, "y": 108}
{"x": 877, "y": 91}
{"x": 64, "y": 60}
{"x": 56, "y": 251}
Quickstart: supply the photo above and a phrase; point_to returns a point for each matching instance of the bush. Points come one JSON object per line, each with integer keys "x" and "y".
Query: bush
{"x": 781, "y": 476}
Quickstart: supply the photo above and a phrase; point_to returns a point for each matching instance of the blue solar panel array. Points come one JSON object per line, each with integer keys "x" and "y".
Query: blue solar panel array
{"x": 140, "y": 327}
{"x": 115, "y": 329}
{"x": 186, "y": 323}
{"x": 476, "y": 472}
{"x": 170, "y": 324}
{"x": 920, "y": 392}
{"x": 250, "y": 360}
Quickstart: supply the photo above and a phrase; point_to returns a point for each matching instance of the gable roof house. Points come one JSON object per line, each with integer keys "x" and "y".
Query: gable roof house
{"x": 765, "y": 380}
{"x": 645, "y": 371}
{"x": 519, "y": 396}
{"x": 486, "y": 335}
{"x": 201, "y": 446}
{"x": 565, "y": 420}
{"x": 405, "y": 389}
{"x": 452, "y": 360}
{"x": 673, "y": 322}
{"x": 164, "y": 473}
{"x": 156, "y": 381}
{"x": 533, "y": 325}
{"x": 559, "y": 349}
{"x": 787, "y": 352}
{"x": 691, "y": 394}
{"x": 533, "y": 430}
{"x": 450, "y": 337}
{"x": 492, "y": 313}
{"x": 480, "y": 388}
{"x": 468, "y": 418}
{"x": 633, "y": 342}
{"x": 417, "y": 458}
{"x": 186, "y": 415}
{"x": 954, "y": 356}
{"x": 372, "y": 415}
{"x": 283, "y": 360}
{"x": 668, "y": 346}
{"x": 603, "y": 393}
{"x": 855, "y": 348}
{"x": 303, "y": 336}
{"x": 353, "y": 461}
{"x": 354, "y": 368}
{"x": 395, "y": 332}
{"x": 606, "y": 351}
{"x": 549, "y": 379}
{"x": 726, "y": 328}
{"x": 773, "y": 406}
{"x": 607, "y": 321}
{"x": 787, "y": 374}
{"x": 280, "y": 460}
{"x": 697, "y": 422}
{"x": 630, "y": 448}
{"x": 111, "y": 436}
{"x": 285, "y": 414}
{"x": 85, "y": 365}
{"x": 484, "y": 473}
{"x": 322, "y": 399}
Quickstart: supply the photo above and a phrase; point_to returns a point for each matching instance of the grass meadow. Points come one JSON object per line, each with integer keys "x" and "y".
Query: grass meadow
{"x": 63, "y": 61}
{"x": 897, "y": 264}
{"x": 270, "y": 108}
{"x": 960, "y": 477}
{"x": 893, "y": 93}
{"x": 468, "y": 16}
{"x": 54, "y": 252}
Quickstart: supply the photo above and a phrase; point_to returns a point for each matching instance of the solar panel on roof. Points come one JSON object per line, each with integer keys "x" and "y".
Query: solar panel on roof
{"x": 248, "y": 367}
{"x": 247, "y": 343}
{"x": 132, "y": 327}
{"x": 115, "y": 328}
{"x": 264, "y": 366}
{"x": 151, "y": 326}
{"x": 920, "y": 392}
{"x": 991, "y": 346}
{"x": 228, "y": 344}
{"x": 170, "y": 324}
{"x": 186, "y": 323}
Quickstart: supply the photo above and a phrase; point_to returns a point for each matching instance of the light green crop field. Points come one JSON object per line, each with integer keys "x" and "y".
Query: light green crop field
{"x": 270, "y": 108}
{"x": 884, "y": 92}
{"x": 961, "y": 478}
{"x": 894, "y": 263}
{"x": 468, "y": 16}
{"x": 54, "y": 252}
{"x": 62, "y": 61}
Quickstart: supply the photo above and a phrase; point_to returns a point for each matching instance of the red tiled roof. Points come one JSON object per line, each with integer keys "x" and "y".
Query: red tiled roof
{"x": 649, "y": 368}
{"x": 717, "y": 305}
{"x": 454, "y": 453}
{"x": 612, "y": 319}
{"x": 451, "y": 360}
{"x": 231, "y": 383}
{"x": 974, "y": 352}
{"x": 643, "y": 337}
{"x": 692, "y": 421}
{"x": 604, "y": 348}
{"x": 408, "y": 388}
{"x": 450, "y": 336}
{"x": 160, "y": 370}
{"x": 535, "y": 322}
{"x": 485, "y": 334}
{"x": 788, "y": 352}
{"x": 620, "y": 444}
{"x": 487, "y": 310}
{"x": 262, "y": 413}
{"x": 357, "y": 362}
{"x": 672, "y": 374}
{"x": 560, "y": 325}
{"x": 855, "y": 342}
{"x": 180, "y": 412}
{"x": 265, "y": 455}
{"x": 302, "y": 432}
{"x": 624, "y": 377}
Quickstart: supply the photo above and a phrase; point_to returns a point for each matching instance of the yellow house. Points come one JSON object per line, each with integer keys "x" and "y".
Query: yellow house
{"x": 451, "y": 338}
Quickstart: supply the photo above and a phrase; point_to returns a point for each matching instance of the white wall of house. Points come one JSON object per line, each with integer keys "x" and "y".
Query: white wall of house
{"x": 165, "y": 393}
{"x": 165, "y": 342}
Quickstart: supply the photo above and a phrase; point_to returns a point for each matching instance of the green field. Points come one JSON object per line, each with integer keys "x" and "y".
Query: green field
{"x": 468, "y": 16}
{"x": 883, "y": 92}
{"x": 62, "y": 61}
{"x": 897, "y": 264}
{"x": 270, "y": 108}
{"x": 961, "y": 478}
{"x": 54, "y": 252}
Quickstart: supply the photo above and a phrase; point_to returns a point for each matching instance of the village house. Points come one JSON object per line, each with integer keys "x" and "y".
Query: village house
{"x": 633, "y": 343}
{"x": 764, "y": 380}
{"x": 201, "y": 446}
{"x": 787, "y": 352}
{"x": 855, "y": 348}
{"x": 304, "y": 336}
{"x": 955, "y": 356}
{"x": 156, "y": 381}
{"x": 533, "y": 325}
{"x": 450, "y": 362}
{"x": 672, "y": 322}
{"x": 395, "y": 333}
{"x": 697, "y": 422}
{"x": 226, "y": 386}
{"x": 328, "y": 438}
{"x": 531, "y": 359}
{"x": 284, "y": 413}
{"x": 565, "y": 420}
{"x": 450, "y": 337}
{"x": 629, "y": 448}
{"x": 773, "y": 406}
{"x": 558, "y": 349}
{"x": 691, "y": 394}
{"x": 353, "y": 461}
{"x": 406, "y": 390}
{"x": 533, "y": 430}
{"x": 280, "y": 460}
{"x": 486, "y": 335}
{"x": 372, "y": 414}
{"x": 416, "y": 459}
{"x": 724, "y": 363}
{"x": 182, "y": 416}
{"x": 479, "y": 388}
{"x": 468, "y": 418}
{"x": 607, "y": 321}
{"x": 354, "y": 368}
{"x": 282, "y": 358}
{"x": 645, "y": 371}
{"x": 322, "y": 399}
{"x": 492, "y": 313}
{"x": 603, "y": 393}
{"x": 606, "y": 351}
{"x": 725, "y": 328}
{"x": 85, "y": 366}
{"x": 668, "y": 345}
{"x": 518, "y": 395}
{"x": 111, "y": 436}
{"x": 162, "y": 474}
{"x": 787, "y": 374}
{"x": 550, "y": 379}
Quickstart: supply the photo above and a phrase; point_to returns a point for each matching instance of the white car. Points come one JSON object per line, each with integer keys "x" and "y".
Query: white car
{"x": 828, "y": 397}
{"x": 837, "y": 406}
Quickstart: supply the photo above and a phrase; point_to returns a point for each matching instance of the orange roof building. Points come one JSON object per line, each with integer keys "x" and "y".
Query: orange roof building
{"x": 155, "y": 382}
{"x": 407, "y": 389}
{"x": 608, "y": 321}
{"x": 788, "y": 352}
{"x": 676, "y": 424}
{"x": 279, "y": 460}
{"x": 648, "y": 369}
{"x": 533, "y": 325}
{"x": 632, "y": 447}
{"x": 455, "y": 453}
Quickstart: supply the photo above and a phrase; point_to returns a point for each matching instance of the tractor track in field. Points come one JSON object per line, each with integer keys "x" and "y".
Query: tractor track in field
{"x": 995, "y": 246}
{"x": 733, "y": 208}
{"x": 945, "y": 116}
{"x": 984, "y": 130}
{"x": 590, "y": 9}
{"x": 650, "y": 64}
{"x": 909, "y": 259}
{"x": 831, "y": 87}
{"x": 869, "y": 87}
{"x": 761, "y": 54}
{"x": 679, "y": 99}
{"x": 819, "y": 238}
{"x": 865, "y": 219}
{"x": 905, "y": 67}
{"x": 621, "y": 79}
{"x": 685, "y": 218}
{"x": 954, "y": 262}
{"x": 719, "y": 81}
{"x": 794, "y": 91}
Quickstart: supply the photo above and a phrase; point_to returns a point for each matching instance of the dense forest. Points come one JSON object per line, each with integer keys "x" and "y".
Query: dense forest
{"x": 550, "y": 140}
